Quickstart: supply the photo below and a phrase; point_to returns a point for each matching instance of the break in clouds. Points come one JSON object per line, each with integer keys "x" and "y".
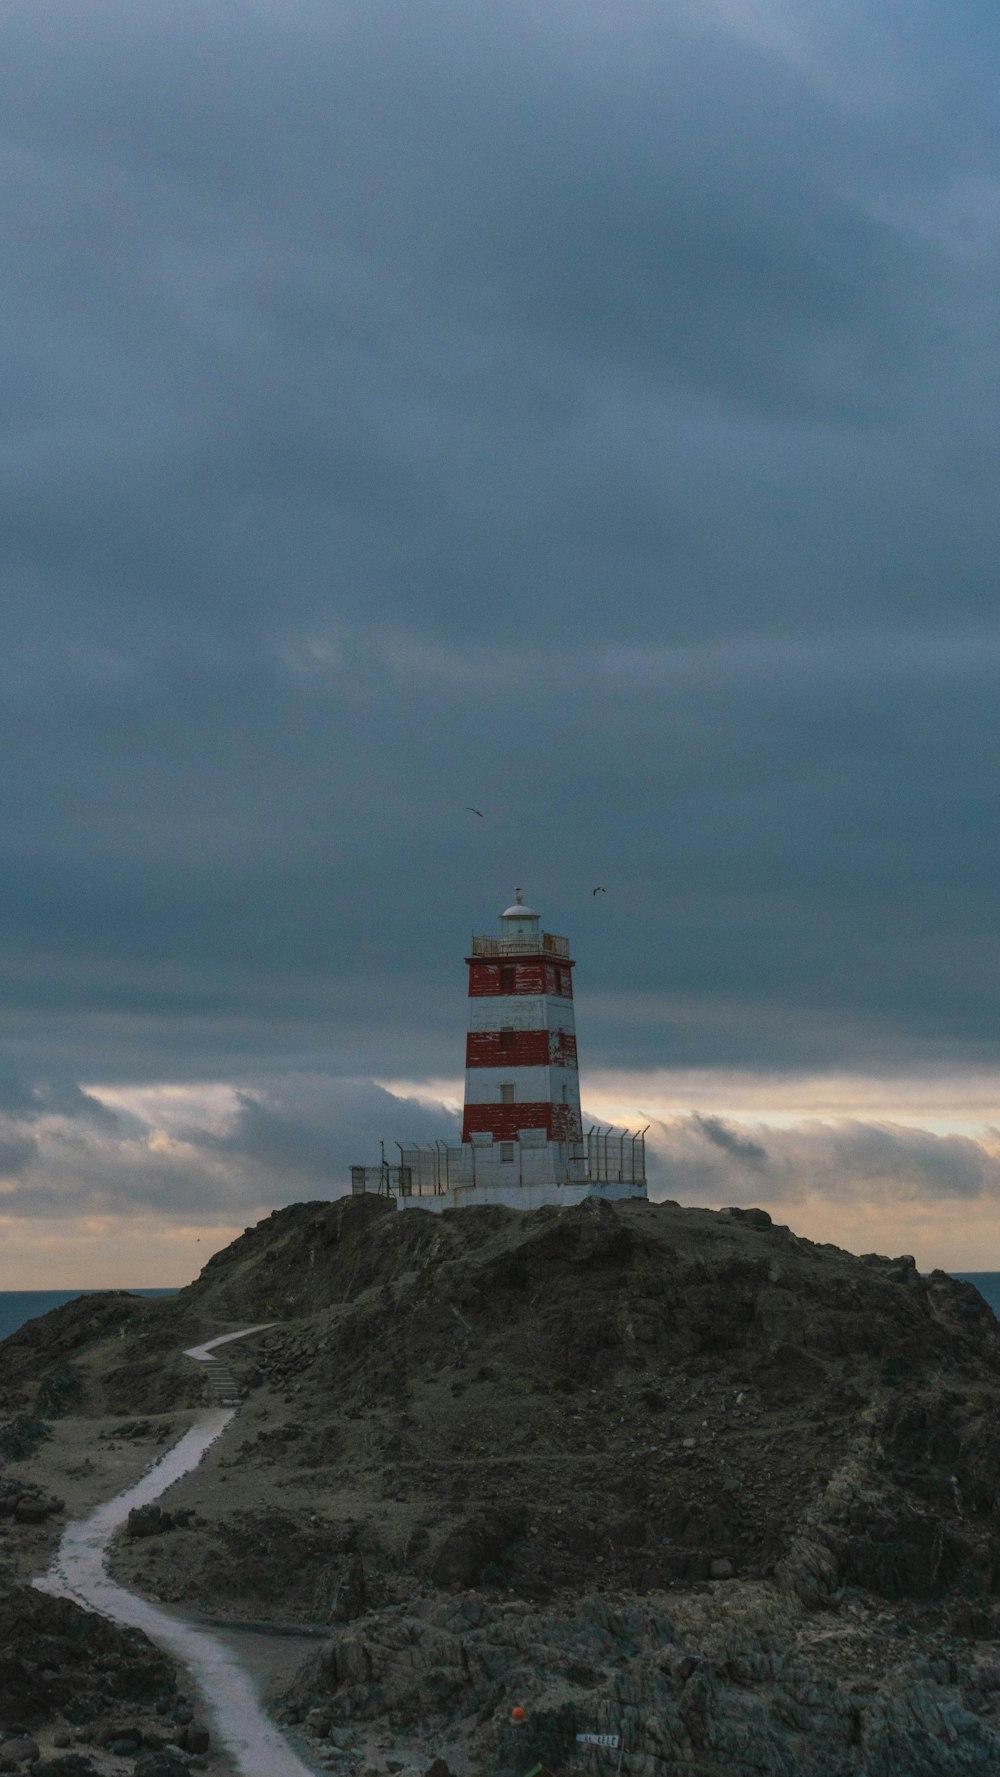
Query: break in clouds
{"x": 204, "y": 1159}
{"x": 584, "y": 413}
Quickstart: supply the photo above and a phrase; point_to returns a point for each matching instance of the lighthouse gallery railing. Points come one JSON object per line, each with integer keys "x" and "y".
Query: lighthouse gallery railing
{"x": 547, "y": 945}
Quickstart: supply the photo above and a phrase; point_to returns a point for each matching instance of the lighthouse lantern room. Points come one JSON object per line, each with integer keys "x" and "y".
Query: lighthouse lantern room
{"x": 523, "y": 1142}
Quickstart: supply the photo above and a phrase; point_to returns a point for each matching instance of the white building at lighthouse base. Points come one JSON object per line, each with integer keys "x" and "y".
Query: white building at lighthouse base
{"x": 606, "y": 1163}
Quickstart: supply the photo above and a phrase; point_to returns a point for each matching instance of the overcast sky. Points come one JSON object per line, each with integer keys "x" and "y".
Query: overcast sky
{"x": 584, "y": 411}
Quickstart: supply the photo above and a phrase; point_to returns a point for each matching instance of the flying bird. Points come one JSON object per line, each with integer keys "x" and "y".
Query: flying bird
{"x": 599, "y": 891}
{"x": 477, "y": 811}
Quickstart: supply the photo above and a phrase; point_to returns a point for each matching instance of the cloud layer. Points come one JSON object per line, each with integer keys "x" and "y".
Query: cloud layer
{"x": 705, "y": 1159}
{"x": 591, "y": 420}
{"x": 198, "y": 1163}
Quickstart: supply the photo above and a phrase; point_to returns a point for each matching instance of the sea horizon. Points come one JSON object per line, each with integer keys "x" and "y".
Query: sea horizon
{"x": 17, "y": 1307}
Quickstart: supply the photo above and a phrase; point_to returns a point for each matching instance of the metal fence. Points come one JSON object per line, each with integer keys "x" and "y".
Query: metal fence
{"x": 547, "y": 945}
{"x": 616, "y": 1155}
{"x": 604, "y": 1156}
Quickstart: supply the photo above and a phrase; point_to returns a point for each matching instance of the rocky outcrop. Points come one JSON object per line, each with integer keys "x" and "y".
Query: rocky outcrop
{"x": 24, "y": 1502}
{"x": 21, "y": 1435}
{"x": 690, "y": 1381}
{"x": 87, "y": 1688}
{"x": 659, "y": 1392}
{"x": 58, "y": 1662}
{"x": 153, "y": 1520}
{"x": 473, "y": 1546}
{"x": 757, "y": 1707}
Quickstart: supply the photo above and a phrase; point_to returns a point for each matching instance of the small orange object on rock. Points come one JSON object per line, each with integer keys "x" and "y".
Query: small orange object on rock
{"x": 517, "y": 1713}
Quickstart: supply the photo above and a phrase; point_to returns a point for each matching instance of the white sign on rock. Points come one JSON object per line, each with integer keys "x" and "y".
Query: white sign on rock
{"x": 597, "y": 1740}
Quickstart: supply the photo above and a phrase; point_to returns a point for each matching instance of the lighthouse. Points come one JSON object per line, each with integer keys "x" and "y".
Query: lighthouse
{"x": 522, "y": 1086}
{"x": 523, "y": 1141}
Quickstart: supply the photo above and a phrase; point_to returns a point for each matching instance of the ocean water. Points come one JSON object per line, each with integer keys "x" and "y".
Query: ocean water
{"x": 17, "y": 1306}
{"x": 988, "y": 1285}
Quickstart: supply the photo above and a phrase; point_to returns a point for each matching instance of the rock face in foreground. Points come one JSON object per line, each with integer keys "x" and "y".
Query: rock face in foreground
{"x": 634, "y": 1468}
{"x": 95, "y": 1685}
{"x": 756, "y": 1706}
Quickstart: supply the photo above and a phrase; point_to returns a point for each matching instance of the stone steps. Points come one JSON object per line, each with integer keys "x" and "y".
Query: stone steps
{"x": 222, "y": 1384}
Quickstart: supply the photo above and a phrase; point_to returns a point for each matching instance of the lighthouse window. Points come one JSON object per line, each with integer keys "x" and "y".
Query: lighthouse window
{"x": 506, "y": 1150}
{"x": 506, "y": 1094}
{"x": 507, "y": 1037}
{"x": 508, "y": 978}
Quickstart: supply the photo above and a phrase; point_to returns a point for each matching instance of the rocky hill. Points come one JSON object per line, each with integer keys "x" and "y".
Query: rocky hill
{"x": 643, "y": 1465}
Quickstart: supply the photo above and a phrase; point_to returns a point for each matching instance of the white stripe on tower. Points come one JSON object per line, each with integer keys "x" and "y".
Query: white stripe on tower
{"x": 526, "y": 1085}
{"x": 526, "y": 1011}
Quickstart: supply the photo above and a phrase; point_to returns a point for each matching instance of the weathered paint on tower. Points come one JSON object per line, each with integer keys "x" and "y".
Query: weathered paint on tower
{"x": 521, "y": 1074}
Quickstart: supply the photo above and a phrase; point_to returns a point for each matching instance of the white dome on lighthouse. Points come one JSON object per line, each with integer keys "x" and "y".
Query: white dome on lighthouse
{"x": 519, "y": 911}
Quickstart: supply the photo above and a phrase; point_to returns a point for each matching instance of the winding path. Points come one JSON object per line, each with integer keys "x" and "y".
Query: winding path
{"x": 78, "y": 1571}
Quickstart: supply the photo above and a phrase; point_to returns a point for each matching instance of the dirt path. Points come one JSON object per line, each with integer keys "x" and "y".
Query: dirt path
{"x": 78, "y": 1571}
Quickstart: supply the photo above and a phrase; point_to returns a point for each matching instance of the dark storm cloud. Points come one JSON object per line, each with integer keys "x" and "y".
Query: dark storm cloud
{"x": 722, "y": 1136}
{"x": 311, "y": 1131}
{"x": 17, "y": 1151}
{"x": 412, "y": 408}
{"x": 384, "y": 316}
{"x": 29, "y": 1100}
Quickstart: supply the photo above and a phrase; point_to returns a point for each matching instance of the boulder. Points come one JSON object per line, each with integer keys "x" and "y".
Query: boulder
{"x": 160, "y": 1764}
{"x": 66, "y": 1764}
{"x": 31, "y": 1510}
{"x": 111, "y": 1732}
{"x": 148, "y": 1520}
{"x": 468, "y": 1549}
{"x": 751, "y": 1218}
{"x": 810, "y": 1572}
{"x": 20, "y": 1750}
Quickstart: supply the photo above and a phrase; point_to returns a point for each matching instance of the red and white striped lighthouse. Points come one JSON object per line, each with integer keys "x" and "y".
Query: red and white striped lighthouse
{"x": 521, "y": 1078}
{"x": 522, "y": 1144}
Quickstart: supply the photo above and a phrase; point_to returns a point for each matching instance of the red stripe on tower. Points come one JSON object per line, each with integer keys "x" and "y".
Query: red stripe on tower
{"x": 536, "y": 976}
{"x": 521, "y": 1079}
{"x": 519, "y": 1048}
